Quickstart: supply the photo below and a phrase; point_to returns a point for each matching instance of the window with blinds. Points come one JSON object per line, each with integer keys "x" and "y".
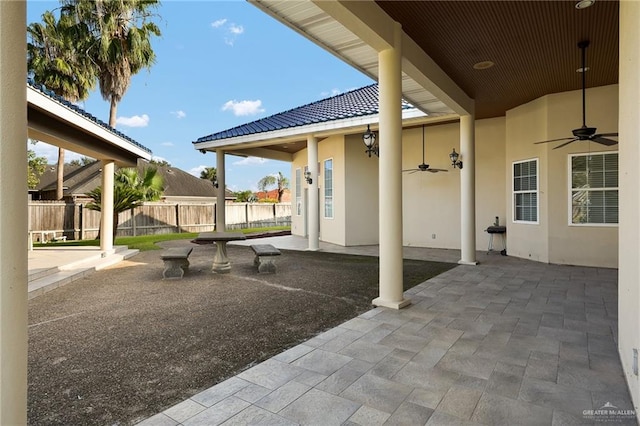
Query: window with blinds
{"x": 525, "y": 191}
{"x": 298, "y": 192}
{"x": 328, "y": 188}
{"x": 594, "y": 188}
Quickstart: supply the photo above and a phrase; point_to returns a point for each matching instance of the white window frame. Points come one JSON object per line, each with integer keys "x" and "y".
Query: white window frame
{"x": 325, "y": 187}
{"x": 298, "y": 192}
{"x": 514, "y": 192}
{"x": 570, "y": 190}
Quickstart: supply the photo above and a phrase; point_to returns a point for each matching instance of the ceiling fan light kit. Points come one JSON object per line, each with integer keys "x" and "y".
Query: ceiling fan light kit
{"x": 585, "y": 133}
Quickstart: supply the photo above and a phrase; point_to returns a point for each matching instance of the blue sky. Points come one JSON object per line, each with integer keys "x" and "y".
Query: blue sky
{"x": 219, "y": 64}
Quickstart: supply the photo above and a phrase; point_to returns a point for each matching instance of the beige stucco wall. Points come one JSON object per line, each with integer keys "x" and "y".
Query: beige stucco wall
{"x": 525, "y": 125}
{"x": 552, "y": 239}
{"x": 431, "y": 202}
{"x": 361, "y": 194}
{"x": 591, "y": 245}
{"x": 629, "y": 242}
{"x": 332, "y": 230}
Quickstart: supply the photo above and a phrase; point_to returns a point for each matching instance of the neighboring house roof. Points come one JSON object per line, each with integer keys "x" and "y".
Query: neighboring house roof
{"x": 49, "y": 93}
{"x": 79, "y": 180}
{"x": 356, "y": 103}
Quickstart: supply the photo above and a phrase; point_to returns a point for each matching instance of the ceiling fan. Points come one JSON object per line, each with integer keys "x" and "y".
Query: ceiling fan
{"x": 585, "y": 133}
{"x": 424, "y": 167}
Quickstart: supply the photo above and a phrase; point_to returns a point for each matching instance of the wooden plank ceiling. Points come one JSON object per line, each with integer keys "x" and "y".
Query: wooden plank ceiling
{"x": 533, "y": 45}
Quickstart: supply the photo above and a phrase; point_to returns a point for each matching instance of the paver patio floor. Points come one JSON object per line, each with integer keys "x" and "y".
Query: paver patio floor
{"x": 506, "y": 342}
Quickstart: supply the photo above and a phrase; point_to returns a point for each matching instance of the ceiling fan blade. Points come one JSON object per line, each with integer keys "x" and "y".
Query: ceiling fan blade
{"x": 410, "y": 170}
{"x": 566, "y": 143}
{"x": 437, "y": 170}
{"x": 604, "y": 141}
{"x": 608, "y": 134}
{"x": 554, "y": 140}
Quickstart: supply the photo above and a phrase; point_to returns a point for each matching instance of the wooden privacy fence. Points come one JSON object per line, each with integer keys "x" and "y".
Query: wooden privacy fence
{"x": 56, "y": 219}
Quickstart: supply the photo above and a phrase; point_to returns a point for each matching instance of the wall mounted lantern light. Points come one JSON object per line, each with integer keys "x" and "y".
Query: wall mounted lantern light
{"x": 215, "y": 181}
{"x": 307, "y": 177}
{"x": 454, "y": 159}
{"x": 369, "y": 139}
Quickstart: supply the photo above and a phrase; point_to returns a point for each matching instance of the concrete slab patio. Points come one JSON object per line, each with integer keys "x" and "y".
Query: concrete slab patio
{"x": 505, "y": 342}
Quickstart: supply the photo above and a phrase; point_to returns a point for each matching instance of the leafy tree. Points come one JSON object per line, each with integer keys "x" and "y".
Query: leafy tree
{"x": 35, "y": 168}
{"x": 245, "y": 196}
{"x": 209, "y": 173}
{"x": 279, "y": 180}
{"x": 56, "y": 58}
{"x": 130, "y": 190}
{"x": 157, "y": 162}
{"x": 84, "y": 161}
{"x": 120, "y": 33}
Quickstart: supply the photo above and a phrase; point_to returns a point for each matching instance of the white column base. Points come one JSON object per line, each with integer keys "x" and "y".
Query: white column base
{"x": 465, "y": 262}
{"x": 312, "y": 249}
{"x": 391, "y": 304}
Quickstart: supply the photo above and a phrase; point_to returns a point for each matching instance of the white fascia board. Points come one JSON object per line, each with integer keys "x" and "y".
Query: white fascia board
{"x": 45, "y": 103}
{"x": 323, "y": 129}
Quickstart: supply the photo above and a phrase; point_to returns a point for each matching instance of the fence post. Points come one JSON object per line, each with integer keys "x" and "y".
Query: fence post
{"x": 133, "y": 222}
{"x": 215, "y": 219}
{"x": 81, "y": 214}
{"x": 178, "y": 218}
{"x": 275, "y": 214}
{"x": 246, "y": 214}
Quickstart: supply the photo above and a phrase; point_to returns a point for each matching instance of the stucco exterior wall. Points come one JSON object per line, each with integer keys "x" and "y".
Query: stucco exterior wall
{"x": 332, "y": 230}
{"x": 591, "y": 245}
{"x": 526, "y": 125}
{"x": 553, "y": 239}
{"x": 431, "y": 202}
{"x": 361, "y": 194}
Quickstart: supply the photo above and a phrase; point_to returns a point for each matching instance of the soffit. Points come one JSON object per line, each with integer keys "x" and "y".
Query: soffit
{"x": 532, "y": 43}
{"x": 313, "y": 23}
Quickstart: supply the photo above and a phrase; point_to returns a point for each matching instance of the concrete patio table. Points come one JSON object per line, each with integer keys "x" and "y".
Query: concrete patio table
{"x": 221, "y": 263}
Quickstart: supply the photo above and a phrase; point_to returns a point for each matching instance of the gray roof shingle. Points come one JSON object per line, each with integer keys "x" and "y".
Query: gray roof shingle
{"x": 356, "y": 103}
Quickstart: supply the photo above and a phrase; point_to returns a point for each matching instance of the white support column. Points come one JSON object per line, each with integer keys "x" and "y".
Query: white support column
{"x": 313, "y": 221}
{"x": 468, "y": 191}
{"x": 106, "y": 217}
{"x": 13, "y": 214}
{"x": 390, "y": 176}
{"x": 629, "y": 175}
{"x": 221, "y": 221}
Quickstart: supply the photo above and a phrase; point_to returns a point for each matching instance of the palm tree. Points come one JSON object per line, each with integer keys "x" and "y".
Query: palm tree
{"x": 56, "y": 58}
{"x": 121, "y": 34}
{"x": 280, "y": 180}
{"x": 130, "y": 190}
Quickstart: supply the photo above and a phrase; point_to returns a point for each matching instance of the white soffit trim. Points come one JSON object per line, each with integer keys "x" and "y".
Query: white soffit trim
{"x": 355, "y": 32}
{"x": 45, "y": 103}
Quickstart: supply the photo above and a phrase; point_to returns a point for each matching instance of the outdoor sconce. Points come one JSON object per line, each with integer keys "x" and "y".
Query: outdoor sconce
{"x": 215, "y": 181}
{"x": 369, "y": 139}
{"x": 454, "y": 159}
{"x": 307, "y": 177}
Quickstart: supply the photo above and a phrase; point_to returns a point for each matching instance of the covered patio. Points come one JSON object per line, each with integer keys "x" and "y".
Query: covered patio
{"x": 509, "y": 341}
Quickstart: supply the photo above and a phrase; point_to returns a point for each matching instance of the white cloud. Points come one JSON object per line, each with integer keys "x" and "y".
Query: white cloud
{"x": 179, "y": 114}
{"x": 195, "y": 171}
{"x": 236, "y": 29}
{"x": 50, "y": 152}
{"x": 332, "y": 92}
{"x": 218, "y": 23}
{"x": 167, "y": 144}
{"x": 250, "y": 161}
{"x": 244, "y": 107}
{"x": 159, "y": 159}
{"x": 231, "y": 30}
{"x": 134, "y": 121}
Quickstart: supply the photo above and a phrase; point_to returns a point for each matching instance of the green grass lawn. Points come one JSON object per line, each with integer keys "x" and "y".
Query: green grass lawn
{"x": 148, "y": 242}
